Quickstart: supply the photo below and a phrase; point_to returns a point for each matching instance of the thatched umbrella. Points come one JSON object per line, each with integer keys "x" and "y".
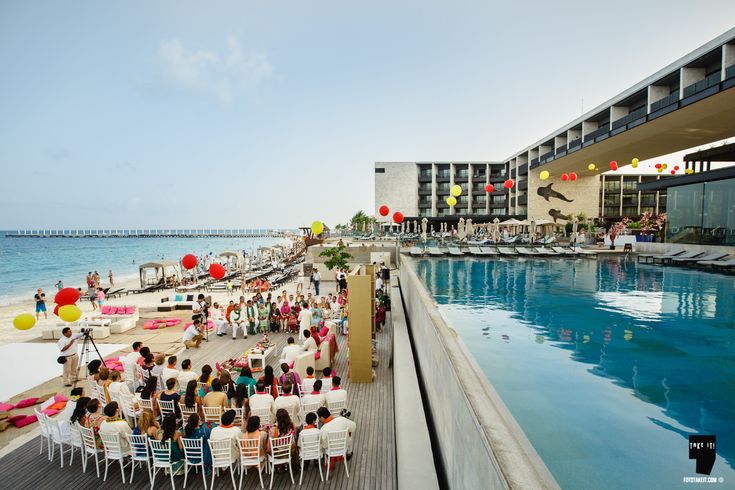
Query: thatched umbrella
{"x": 423, "y": 229}
{"x": 496, "y": 230}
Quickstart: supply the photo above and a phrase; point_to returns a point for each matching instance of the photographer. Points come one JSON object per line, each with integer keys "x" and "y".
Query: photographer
{"x": 68, "y": 347}
{"x": 193, "y": 335}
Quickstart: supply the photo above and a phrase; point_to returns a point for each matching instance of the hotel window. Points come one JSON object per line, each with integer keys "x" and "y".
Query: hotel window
{"x": 443, "y": 187}
{"x": 425, "y": 186}
{"x": 612, "y": 185}
{"x": 425, "y": 199}
{"x": 462, "y": 172}
{"x": 498, "y": 212}
{"x": 630, "y": 184}
{"x": 425, "y": 172}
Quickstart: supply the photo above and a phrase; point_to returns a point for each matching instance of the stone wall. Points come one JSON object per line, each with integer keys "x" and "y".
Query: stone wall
{"x": 584, "y": 193}
{"x": 397, "y": 188}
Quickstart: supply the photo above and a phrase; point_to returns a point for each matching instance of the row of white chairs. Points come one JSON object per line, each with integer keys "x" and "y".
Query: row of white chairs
{"x": 156, "y": 455}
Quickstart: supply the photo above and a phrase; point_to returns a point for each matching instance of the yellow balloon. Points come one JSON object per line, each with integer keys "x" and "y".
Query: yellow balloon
{"x": 451, "y": 200}
{"x": 635, "y": 162}
{"x": 659, "y": 170}
{"x": 317, "y": 227}
{"x": 24, "y": 321}
{"x": 664, "y": 166}
{"x": 70, "y": 313}
{"x": 456, "y": 190}
{"x": 544, "y": 175}
{"x": 591, "y": 167}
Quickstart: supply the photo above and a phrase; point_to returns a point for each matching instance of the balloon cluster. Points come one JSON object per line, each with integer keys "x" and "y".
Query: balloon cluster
{"x": 66, "y": 305}
{"x": 385, "y": 210}
{"x": 456, "y": 191}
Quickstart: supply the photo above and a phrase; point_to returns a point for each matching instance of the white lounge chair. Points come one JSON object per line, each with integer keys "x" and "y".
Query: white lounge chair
{"x": 526, "y": 251}
{"x": 507, "y": 251}
{"x": 545, "y": 251}
{"x": 475, "y": 251}
{"x": 455, "y": 251}
{"x": 417, "y": 251}
{"x": 563, "y": 251}
{"x": 581, "y": 251}
{"x": 689, "y": 260}
{"x": 646, "y": 257}
{"x": 435, "y": 252}
{"x": 488, "y": 251}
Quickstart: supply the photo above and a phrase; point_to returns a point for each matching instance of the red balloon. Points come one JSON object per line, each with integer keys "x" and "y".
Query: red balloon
{"x": 673, "y": 172}
{"x": 189, "y": 261}
{"x": 658, "y": 165}
{"x": 56, "y": 310}
{"x": 508, "y": 184}
{"x": 217, "y": 271}
{"x": 676, "y": 167}
{"x": 67, "y": 296}
{"x": 564, "y": 177}
{"x": 613, "y": 165}
{"x": 384, "y": 210}
{"x": 398, "y": 217}
{"x": 489, "y": 188}
{"x": 572, "y": 176}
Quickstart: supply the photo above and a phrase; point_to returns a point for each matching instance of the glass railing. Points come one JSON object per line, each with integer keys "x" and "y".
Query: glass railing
{"x": 701, "y": 85}
{"x": 660, "y": 104}
{"x": 597, "y": 132}
{"x": 575, "y": 143}
{"x": 730, "y": 71}
{"x": 637, "y": 114}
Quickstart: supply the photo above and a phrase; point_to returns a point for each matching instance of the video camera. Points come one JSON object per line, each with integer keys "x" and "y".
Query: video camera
{"x": 86, "y": 331}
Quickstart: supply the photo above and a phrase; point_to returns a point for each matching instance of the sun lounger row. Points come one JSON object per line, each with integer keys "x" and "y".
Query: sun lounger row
{"x": 713, "y": 260}
{"x": 504, "y": 251}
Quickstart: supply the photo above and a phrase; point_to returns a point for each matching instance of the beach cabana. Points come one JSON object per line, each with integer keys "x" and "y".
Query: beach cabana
{"x": 232, "y": 261}
{"x": 163, "y": 272}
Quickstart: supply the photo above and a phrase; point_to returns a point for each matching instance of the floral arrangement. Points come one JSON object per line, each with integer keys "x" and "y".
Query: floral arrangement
{"x": 618, "y": 228}
{"x": 653, "y": 223}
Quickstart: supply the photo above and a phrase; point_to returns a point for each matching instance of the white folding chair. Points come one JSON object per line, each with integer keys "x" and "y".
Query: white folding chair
{"x": 90, "y": 448}
{"x": 127, "y": 405}
{"x": 200, "y": 386}
{"x": 308, "y": 408}
{"x": 250, "y": 455}
{"x": 139, "y": 453}
{"x": 336, "y": 406}
{"x": 280, "y": 454}
{"x": 160, "y": 385}
{"x": 279, "y": 390}
{"x": 221, "y": 458}
{"x": 166, "y": 407}
{"x": 326, "y": 386}
{"x": 100, "y": 395}
{"x": 114, "y": 452}
{"x": 306, "y": 386}
{"x": 193, "y": 456}
{"x": 238, "y": 415}
{"x": 146, "y": 405}
{"x": 310, "y": 450}
{"x": 186, "y": 412}
{"x": 45, "y": 435}
{"x": 129, "y": 375}
{"x": 161, "y": 453}
{"x": 212, "y": 414}
{"x": 336, "y": 446}
{"x": 76, "y": 443}
{"x": 268, "y": 389}
{"x": 57, "y": 437}
{"x": 265, "y": 415}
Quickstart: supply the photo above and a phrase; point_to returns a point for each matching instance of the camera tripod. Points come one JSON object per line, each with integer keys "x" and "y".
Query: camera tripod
{"x": 87, "y": 345}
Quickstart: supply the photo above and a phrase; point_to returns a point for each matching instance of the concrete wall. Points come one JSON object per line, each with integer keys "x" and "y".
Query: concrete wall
{"x": 480, "y": 443}
{"x": 397, "y": 188}
{"x": 655, "y": 248}
{"x": 360, "y": 255}
{"x": 584, "y": 192}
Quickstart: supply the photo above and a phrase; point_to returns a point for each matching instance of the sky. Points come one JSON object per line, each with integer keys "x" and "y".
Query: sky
{"x": 240, "y": 114}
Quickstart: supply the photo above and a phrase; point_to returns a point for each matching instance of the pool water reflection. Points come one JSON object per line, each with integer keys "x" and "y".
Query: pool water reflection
{"x": 607, "y": 365}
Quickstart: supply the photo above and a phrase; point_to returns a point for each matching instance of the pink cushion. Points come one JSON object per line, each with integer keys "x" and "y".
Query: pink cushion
{"x": 50, "y": 411}
{"x": 317, "y": 355}
{"x": 15, "y": 418}
{"x": 28, "y": 402}
{"x": 60, "y": 397}
{"x": 130, "y": 310}
{"x": 113, "y": 310}
{"x": 4, "y": 407}
{"x": 25, "y": 421}
{"x": 324, "y": 332}
{"x": 106, "y": 310}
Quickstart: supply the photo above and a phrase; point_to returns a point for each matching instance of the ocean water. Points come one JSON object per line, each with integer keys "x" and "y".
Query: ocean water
{"x": 29, "y": 263}
{"x": 607, "y": 366}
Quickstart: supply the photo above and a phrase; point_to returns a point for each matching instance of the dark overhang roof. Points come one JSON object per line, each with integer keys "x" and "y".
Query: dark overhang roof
{"x": 724, "y": 153}
{"x": 710, "y": 176}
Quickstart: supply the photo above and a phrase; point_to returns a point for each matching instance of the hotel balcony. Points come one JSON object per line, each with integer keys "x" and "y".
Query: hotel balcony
{"x": 479, "y": 177}
{"x": 425, "y": 192}
{"x": 425, "y": 178}
{"x": 442, "y": 177}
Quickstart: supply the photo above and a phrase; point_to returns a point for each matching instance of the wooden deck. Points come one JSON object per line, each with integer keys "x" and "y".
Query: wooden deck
{"x": 372, "y": 466}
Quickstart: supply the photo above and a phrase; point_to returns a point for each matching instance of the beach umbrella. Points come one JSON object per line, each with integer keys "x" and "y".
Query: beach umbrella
{"x": 423, "y": 229}
{"x": 461, "y": 232}
{"x": 469, "y": 229}
{"x": 575, "y": 222}
{"x": 496, "y": 230}
{"x": 532, "y": 231}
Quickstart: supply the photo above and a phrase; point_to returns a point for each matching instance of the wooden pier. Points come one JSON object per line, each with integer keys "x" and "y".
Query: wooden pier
{"x": 153, "y": 233}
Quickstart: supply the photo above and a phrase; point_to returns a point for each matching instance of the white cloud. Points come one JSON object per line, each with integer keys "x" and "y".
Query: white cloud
{"x": 222, "y": 76}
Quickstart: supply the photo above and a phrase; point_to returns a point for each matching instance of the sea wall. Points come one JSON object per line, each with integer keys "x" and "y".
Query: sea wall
{"x": 479, "y": 442}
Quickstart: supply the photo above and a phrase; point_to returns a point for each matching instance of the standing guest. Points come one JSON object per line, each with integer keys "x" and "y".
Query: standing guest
{"x": 311, "y": 279}
{"x": 263, "y": 317}
{"x": 316, "y": 278}
{"x": 92, "y": 293}
{"x": 68, "y": 348}
{"x": 290, "y": 376}
{"x": 191, "y": 399}
{"x": 332, "y": 423}
{"x": 226, "y": 431}
{"x": 59, "y": 285}
{"x": 112, "y": 282}
{"x": 100, "y": 297}
{"x": 40, "y": 298}
{"x": 300, "y": 281}
{"x": 115, "y": 425}
{"x": 186, "y": 374}
{"x": 97, "y": 279}
{"x": 229, "y": 287}
{"x": 193, "y": 335}
{"x": 289, "y": 401}
{"x": 90, "y": 280}
{"x": 269, "y": 379}
{"x": 305, "y": 316}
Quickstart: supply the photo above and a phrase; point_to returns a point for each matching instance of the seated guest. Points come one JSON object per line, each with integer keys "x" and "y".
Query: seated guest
{"x": 93, "y": 369}
{"x": 252, "y": 431}
{"x": 186, "y": 374}
{"x": 289, "y": 401}
{"x": 316, "y": 395}
{"x": 94, "y": 419}
{"x": 215, "y": 398}
{"x": 283, "y": 427}
{"x": 117, "y": 386}
{"x": 206, "y": 378}
{"x": 148, "y": 365}
{"x": 240, "y": 398}
{"x": 269, "y": 379}
{"x": 115, "y": 425}
{"x": 159, "y": 367}
{"x": 171, "y": 394}
{"x": 218, "y": 318}
{"x": 290, "y": 352}
{"x": 191, "y": 398}
{"x": 170, "y": 371}
{"x": 309, "y": 343}
{"x": 144, "y": 352}
{"x": 309, "y": 427}
{"x": 147, "y": 425}
{"x": 149, "y": 393}
{"x": 104, "y": 381}
{"x": 246, "y": 378}
{"x": 326, "y": 378}
{"x": 307, "y": 383}
{"x": 290, "y": 376}
{"x": 195, "y": 428}
{"x": 226, "y": 431}
{"x": 332, "y": 423}
{"x": 132, "y": 358}
{"x": 260, "y": 399}
{"x": 336, "y": 394}
{"x": 169, "y": 431}
{"x": 228, "y": 386}
{"x": 79, "y": 415}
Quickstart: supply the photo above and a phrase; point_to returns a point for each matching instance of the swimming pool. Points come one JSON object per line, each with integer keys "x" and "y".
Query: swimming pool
{"x": 608, "y": 366}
